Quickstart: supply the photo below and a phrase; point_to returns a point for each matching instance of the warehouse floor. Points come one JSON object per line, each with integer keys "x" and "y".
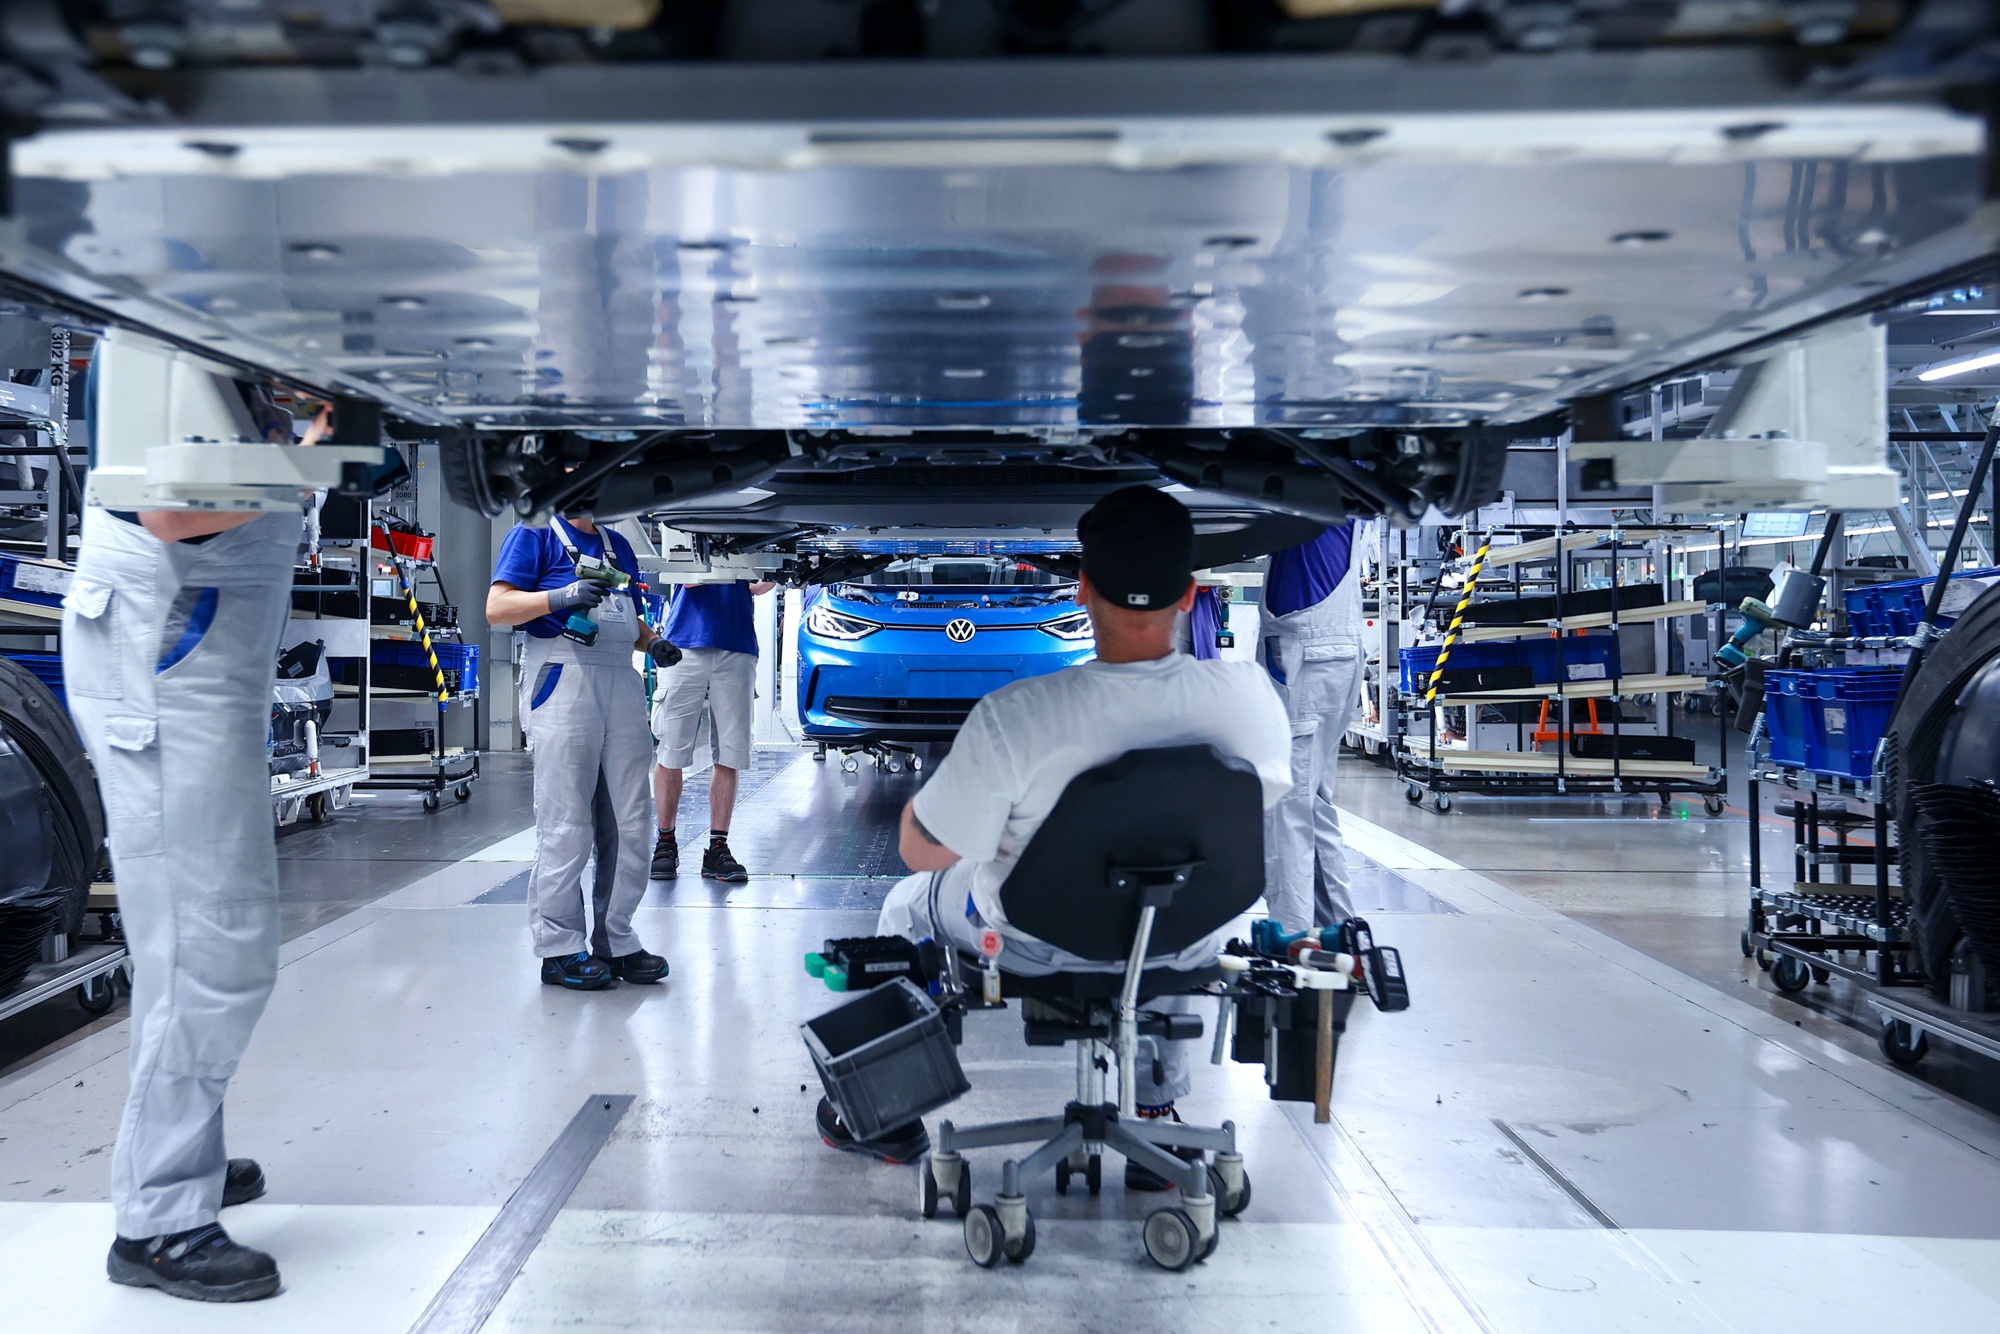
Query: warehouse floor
{"x": 1596, "y": 1116}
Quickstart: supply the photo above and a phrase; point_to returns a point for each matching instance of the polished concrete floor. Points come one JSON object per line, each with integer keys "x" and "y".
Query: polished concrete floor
{"x": 1590, "y": 1119}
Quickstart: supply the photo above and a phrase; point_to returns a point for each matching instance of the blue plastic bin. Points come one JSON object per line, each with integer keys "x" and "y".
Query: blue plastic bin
{"x": 1572, "y": 658}
{"x": 1785, "y": 717}
{"x": 1846, "y": 711}
{"x": 460, "y": 658}
{"x": 1895, "y": 608}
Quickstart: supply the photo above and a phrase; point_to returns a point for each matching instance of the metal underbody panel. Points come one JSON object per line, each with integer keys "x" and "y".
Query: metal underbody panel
{"x": 1249, "y": 261}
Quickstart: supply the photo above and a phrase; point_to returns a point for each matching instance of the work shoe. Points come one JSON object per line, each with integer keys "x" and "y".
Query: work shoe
{"x": 638, "y": 966}
{"x": 903, "y": 1145}
{"x": 1141, "y": 1177}
{"x": 243, "y": 1182}
{"x": 717, "y": 864}
{"x": 666, "y": 858}
{"x": 578, "y": 972}
{"x": 201, "y": 1264}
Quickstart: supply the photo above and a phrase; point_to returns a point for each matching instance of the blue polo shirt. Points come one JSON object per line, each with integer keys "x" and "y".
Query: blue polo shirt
{"x": 712, "y": 616}
{"x": 534, "y": 560}
{"x": 1306, "y": 575}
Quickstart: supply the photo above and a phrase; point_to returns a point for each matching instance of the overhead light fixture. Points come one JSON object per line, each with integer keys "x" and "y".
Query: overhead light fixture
{"x": 1951, "y": 368}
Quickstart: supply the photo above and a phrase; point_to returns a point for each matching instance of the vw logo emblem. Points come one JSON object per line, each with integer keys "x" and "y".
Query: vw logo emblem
{"x": 960, "y": 630}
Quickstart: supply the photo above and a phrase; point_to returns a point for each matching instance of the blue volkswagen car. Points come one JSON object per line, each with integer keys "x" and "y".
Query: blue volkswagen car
{"x": 901, "y": 656}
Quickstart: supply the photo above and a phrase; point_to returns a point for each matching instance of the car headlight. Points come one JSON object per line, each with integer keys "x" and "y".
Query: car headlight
{"x": 1074, "y": 626}
{"x": 827, "y": 623}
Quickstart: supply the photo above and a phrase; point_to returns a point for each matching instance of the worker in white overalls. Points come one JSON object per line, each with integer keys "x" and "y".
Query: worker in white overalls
{"x": 1310, "y": 635}
{"x": 170, "y": 645}
{"x": 584, "y": 709}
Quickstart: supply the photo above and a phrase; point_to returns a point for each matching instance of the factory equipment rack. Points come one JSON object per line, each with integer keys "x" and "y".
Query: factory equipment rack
{"x": 1387, "y": 560}
{"x": 336, "y": 614}
{"x": 92, "y": 974}
{"x": 1518, "y": 770}
{"x": 440, "y": 767}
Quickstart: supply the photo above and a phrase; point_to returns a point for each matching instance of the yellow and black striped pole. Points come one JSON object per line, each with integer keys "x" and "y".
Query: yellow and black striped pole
{"x": 1457, "y": 618}
{"x": 423, "y": 630}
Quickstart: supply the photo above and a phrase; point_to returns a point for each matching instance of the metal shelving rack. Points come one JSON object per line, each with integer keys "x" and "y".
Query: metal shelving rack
{"x": 1499, "y": 759}
{"x": 445, "y": 767}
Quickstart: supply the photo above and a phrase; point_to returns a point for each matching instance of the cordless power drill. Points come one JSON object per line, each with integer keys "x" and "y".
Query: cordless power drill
{"x": 580, "y": 627}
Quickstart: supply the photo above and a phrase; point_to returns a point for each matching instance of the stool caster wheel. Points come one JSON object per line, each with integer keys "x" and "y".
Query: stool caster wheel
{"x": 1172, "y": 1242}
{"x": 849, "y": 765}
{"x": 1229, "y": 1202}
{"x": 1093, "y": 1175}
{"x": 987, "y": 1241}
{"x": 1903, "y": 1044}
{"x": 894, "y": 766}
{"x": 916, "y": 764}
{"x": 430, "y": 801}
{"x": 933, "y": 1188}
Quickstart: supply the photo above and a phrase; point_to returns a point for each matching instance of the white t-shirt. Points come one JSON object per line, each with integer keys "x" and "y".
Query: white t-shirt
{"x": 1024, "y": 742}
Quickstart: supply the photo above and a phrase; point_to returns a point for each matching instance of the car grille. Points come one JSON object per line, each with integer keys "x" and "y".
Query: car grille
{"x": 900, "y": 712}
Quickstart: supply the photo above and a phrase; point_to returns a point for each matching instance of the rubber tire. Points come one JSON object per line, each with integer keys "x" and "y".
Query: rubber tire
{"x": 463, "y": 792}
{"x": 1171, "y": 1240}
{"x": 1822, "y": 975}
{"x": 1442, "y": 802}
{"x": 1093, "y": 1174}
{"x": 1063, "y": 1170}
{"x": 1019, "y": 1253}
{"x": 41, "y": 729}
{"x": 927, "y": 1191}
{"x": 1902, "y": 1044}
{"x": 1790, "y": 975}
{"x": 1764, "y": 958}
{"x": 1714, "y": 805}
{"x": 984, "y": 1237}
{"x": 1214, "y": 1240}
{"x": 1224, "y": 1206}
{"x": 961, "y": 1199}
{"x": 1414, "y": 795}
{"x": 97, "y": 995}
{"x": 319, "y": 808}
{"x": 1749, "y": 950}
{"x": 431, "y": 802}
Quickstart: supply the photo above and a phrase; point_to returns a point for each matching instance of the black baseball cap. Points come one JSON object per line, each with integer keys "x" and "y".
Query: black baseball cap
{"x": 1138, "y": 548}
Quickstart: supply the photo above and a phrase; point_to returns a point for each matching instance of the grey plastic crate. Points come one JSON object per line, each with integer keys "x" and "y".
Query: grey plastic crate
{"x": 885, "y": 1058}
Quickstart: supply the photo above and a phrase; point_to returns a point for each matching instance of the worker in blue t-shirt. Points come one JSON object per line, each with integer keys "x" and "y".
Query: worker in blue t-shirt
{"x": 584, "y": 710}
{"x": 714, "y": 627}
{"x": 1311, "y": 643}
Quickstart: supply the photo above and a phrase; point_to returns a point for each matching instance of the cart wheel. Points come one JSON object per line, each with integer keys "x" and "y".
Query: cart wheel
{"x": 1764, "y": 958}
{"x": 1443, "y": 802}
{"x": 1822, "y": 975}
{"x": 430, "y": 801}
{"x": 1714, "y": 804}
{"x": 1749, "y": 951}
{"x": 1171, "y": 1239}
{"x": 1903, "y": 1044}
{"x": 1413, "y": 794}
{"x": 1790, "y": 974}
{"x": 463, "y": 792}
{"x": 97, "y": 995}
{"x": 320, "y": 807}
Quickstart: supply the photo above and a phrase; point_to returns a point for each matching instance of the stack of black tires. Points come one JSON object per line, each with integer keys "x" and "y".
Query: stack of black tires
{"x": 51, "y": 823}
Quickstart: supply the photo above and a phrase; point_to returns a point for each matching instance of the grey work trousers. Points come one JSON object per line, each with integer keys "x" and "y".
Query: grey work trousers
{"x": 1306, "y": 882}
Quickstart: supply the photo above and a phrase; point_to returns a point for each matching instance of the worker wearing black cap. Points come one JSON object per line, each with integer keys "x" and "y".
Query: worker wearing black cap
{"x": 1023, "y": 743}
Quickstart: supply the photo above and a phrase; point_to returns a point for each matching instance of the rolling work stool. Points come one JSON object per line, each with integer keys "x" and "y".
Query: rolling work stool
{"x": 1141, "y": 858}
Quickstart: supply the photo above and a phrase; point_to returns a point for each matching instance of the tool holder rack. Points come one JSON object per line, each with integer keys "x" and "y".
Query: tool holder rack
{"x": 1521, "y": 771}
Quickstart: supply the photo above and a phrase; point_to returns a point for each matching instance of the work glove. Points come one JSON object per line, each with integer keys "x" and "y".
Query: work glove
{"x": 579, "y": 596}
{"x": 663, "y": 653}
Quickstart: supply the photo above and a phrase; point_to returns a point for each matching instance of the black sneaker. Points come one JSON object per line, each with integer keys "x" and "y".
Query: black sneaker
{"x": 666, "y": 858}
{"x": 906, "y": 1145}
{"x": 201, "y": 1264}
{"x": 578, "y": 972}
{"x": 638, "y": 966}
{"x": 243, "y": 1182}
{"x": 717, "y": 864}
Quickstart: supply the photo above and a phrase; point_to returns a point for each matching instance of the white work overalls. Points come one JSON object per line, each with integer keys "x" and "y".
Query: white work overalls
{"x": 169, "y": 653}
{"x": 1318, "y": 651}
{"x": 584, "y": 710}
